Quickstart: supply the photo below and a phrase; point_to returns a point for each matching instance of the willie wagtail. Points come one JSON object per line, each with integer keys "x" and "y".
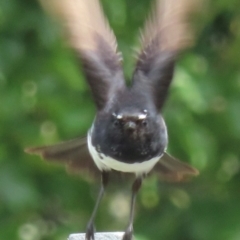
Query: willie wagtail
{"x": 129, "y": 133}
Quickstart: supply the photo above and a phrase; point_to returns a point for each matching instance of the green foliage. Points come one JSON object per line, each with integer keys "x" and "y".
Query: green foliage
{"x": 44, "y": 99}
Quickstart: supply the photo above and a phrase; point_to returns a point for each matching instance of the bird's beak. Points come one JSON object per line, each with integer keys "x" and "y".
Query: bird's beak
{"x": 130, "y": 126}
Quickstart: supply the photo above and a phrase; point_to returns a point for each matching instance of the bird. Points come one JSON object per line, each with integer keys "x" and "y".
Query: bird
{"x": 128, "y": 134}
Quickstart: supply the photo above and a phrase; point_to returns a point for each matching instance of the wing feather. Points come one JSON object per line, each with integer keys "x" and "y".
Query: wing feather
{"x": 73, "y": 153}
{"x": 94, "y": 43}
{"x": 171, "y": 169}
{"x": 167, "y": 32}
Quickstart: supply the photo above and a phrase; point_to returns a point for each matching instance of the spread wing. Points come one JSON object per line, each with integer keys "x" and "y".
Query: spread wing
{"x": 167, "y": 33}
{"x": 171, "y": 169}
{"x": 90, "y": 36}
{"x": 74, "y": 154}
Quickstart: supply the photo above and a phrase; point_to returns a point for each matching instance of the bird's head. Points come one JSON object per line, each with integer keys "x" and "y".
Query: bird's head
{"x": 131, "y": 122}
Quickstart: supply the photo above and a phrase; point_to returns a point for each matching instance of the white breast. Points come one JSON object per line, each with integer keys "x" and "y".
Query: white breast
{"x": 107, "y": 163}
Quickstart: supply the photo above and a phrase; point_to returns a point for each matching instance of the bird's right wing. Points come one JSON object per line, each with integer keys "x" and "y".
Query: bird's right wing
{"x": 90, "y": 36}
{"x": 73, "y": 153}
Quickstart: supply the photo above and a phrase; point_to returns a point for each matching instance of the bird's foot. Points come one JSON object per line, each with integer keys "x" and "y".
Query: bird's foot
{"x": 128, "y": 235}
{"x": 90, "y": 232}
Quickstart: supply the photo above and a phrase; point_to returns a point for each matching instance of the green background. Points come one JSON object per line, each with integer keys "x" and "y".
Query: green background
{"x": 44, "y": 99}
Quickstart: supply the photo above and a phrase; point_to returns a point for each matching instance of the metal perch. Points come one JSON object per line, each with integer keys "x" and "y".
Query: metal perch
{"x": 98, "y": 236}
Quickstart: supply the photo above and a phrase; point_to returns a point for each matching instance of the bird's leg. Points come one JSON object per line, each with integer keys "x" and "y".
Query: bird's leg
{"x": 135, "y": 188}
{"x": 90, "y": 227}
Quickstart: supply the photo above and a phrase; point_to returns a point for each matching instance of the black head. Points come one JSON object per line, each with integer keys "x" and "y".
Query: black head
{"x": 130, "y": 123}
{"x": 130, "y": 134}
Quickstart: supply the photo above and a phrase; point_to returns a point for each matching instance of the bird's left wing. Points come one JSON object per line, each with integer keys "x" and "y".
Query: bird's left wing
{"x": 171, "y": 169}
{"x": 90, "y": 36}
{"x": 166, "y": 33}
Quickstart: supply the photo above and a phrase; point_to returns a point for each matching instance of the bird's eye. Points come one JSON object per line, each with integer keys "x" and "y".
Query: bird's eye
{"x": 116, "y": 123}
{"x": 144, "y": 123}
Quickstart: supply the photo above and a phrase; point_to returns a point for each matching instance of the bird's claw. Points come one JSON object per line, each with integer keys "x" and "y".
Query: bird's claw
{"x": 128, "y": 235}
{"x": 90, "y": 232}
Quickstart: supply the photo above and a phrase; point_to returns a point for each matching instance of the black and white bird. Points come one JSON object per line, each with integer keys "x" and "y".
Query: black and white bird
{"x": 129, "y": 133}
